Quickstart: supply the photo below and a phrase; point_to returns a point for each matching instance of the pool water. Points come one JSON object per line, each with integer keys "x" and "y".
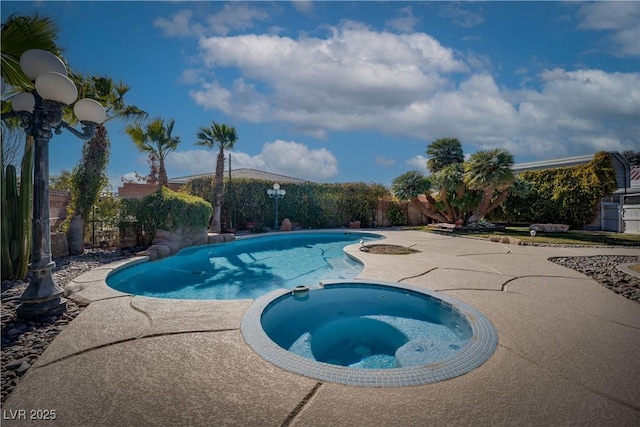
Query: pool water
{"x": 246, "y": 268}
{"x": 370, "y": 327}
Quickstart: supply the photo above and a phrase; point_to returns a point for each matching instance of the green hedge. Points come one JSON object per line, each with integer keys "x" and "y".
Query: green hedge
{"x": 312, "y": 205}
{"x": 568, "y": 195}
{"x": 166, "y": 209}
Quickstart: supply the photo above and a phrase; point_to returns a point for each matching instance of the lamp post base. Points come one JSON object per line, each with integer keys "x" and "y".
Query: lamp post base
{"x": 39, "y": 310}
{"x": 43, "y": 297}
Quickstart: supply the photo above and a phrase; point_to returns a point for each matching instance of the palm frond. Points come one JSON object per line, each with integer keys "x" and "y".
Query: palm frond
{"x": 19, "y": 34}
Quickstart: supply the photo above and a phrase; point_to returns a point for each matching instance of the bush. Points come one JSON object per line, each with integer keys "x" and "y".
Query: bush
{"x": 166, "y": 209}
{"x": 567, "y": 195}
{"x": 396, "y": 212}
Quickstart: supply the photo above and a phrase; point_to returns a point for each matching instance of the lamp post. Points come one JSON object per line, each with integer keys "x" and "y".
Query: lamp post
{"x": 276, "y": 193}
{"x": 533, "y": 237}
{"x": 40, "y": 112}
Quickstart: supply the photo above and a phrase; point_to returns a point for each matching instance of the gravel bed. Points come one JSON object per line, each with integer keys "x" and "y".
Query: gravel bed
{"x": 24, "y": 341}
{"x": 603, "y": 269}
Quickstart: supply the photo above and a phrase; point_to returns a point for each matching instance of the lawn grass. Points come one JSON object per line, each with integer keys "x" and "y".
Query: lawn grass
{"x": 571, "y": 237}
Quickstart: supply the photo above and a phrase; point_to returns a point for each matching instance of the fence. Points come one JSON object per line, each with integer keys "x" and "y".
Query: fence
{"x": 631, "y": 214}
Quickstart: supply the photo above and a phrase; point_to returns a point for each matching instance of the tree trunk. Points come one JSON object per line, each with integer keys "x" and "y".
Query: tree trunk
{"x": 163, "y": 180}
{"x": 450, "y": 214}
{"x": 499, "y": 200}
{"x": 428, "y": 210}
{"x": 75, "y": 235}
{"x": 483, "y": 206}
{"x": 217, "y": 193}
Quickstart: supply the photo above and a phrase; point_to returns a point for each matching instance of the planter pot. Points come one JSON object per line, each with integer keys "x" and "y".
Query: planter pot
{"x": 354, "y": 224}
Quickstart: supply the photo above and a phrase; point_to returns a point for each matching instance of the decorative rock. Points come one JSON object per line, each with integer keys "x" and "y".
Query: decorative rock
{"x": 549, "y": 228}
{"x": 286, "y": 225}
{"x": 13, "y": 332}
{"x": 505, "y": 239}
{"x": 23, "y": 367}
{"x": 221, "y": 238}
{"x": 216, "y": 238}
{"x": 152, "y": 254}
{"x": 14, "y": 364}
{"x": 167, "y": 243}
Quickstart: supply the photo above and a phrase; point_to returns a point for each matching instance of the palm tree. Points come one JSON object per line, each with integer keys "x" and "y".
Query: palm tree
{"x": 444, "y": 152}
{"x": 223, "y": 137}
{"x": 489, "y": 171}
{"x": 156, "y": 140}
{"x": 409, "y": 186}
{"x": 19, "y": 34}
{"x": 89, "y": 175}
{"x": 449, "y": 181}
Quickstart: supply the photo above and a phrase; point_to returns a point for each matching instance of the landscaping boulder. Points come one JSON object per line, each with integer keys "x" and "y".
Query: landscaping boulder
{"x": 506, "y": 239}
{"x": 286, "y": 225}
{"x": 167, "y": 243}
{"x": 549, "y": 228}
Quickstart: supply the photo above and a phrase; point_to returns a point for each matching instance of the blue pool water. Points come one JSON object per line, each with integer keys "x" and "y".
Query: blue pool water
{"x": 368, "y": 327}
{"x": 244, "y": 269}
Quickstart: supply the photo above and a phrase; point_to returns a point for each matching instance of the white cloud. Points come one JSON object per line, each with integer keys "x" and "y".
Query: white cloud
{"x": 294, "y": 159}
{"x": 404, "y": 21}
{"x": 191, "y": 162}
{"x": 232, "y": 17}
{"x": 406, "y": 84}
{"x": 620, "y": 19}
{"x": 344, "y": 82}
{"x": 235, "y": 16}
{"x": 385, "y": 161}
{"x": 461, "y": 14}
{"x": 418, "y": 162}
{"x": 283, "y": 157}
{"x": 303, "y": 6}
{"x": 178, "y": 26}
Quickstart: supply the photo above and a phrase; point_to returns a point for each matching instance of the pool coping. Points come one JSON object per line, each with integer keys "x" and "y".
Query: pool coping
{"x": 480, "y": 348}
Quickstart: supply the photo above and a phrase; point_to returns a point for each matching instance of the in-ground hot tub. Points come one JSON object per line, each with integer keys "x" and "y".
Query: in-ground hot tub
{"x": 369, "y": 333}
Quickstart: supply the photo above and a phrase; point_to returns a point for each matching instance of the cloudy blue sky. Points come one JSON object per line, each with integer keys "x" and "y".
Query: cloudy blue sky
{"x": 354, "y": 91}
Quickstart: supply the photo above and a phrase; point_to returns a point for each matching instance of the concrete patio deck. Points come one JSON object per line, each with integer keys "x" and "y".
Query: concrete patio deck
{"x": 568, "y": 353}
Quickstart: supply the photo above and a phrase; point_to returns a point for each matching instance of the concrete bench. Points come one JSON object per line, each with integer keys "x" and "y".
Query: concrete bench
{"x": 442, "y": 227}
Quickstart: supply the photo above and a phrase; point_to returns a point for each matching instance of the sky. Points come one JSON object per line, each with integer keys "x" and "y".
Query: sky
{"x": 355, "y": 91}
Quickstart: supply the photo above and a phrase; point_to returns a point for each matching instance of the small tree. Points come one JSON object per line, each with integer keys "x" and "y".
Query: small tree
{"x": 156, "y": 140}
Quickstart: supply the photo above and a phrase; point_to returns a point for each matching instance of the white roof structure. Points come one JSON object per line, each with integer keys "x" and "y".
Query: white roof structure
{"x": 551, "y": 164}
{"x": 620, "y": 164}
{"x": 242, "y": 173}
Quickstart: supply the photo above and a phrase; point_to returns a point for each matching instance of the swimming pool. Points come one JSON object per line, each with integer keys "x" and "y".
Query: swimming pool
{"x": 363, "y": 332}
{"x": 247, "y": 268}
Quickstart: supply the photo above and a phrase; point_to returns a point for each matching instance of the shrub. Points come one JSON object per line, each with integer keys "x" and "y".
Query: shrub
{"x": 568, "y": 195}
{"x": 396, "y": 212}
{"x": 166, "y": 209}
